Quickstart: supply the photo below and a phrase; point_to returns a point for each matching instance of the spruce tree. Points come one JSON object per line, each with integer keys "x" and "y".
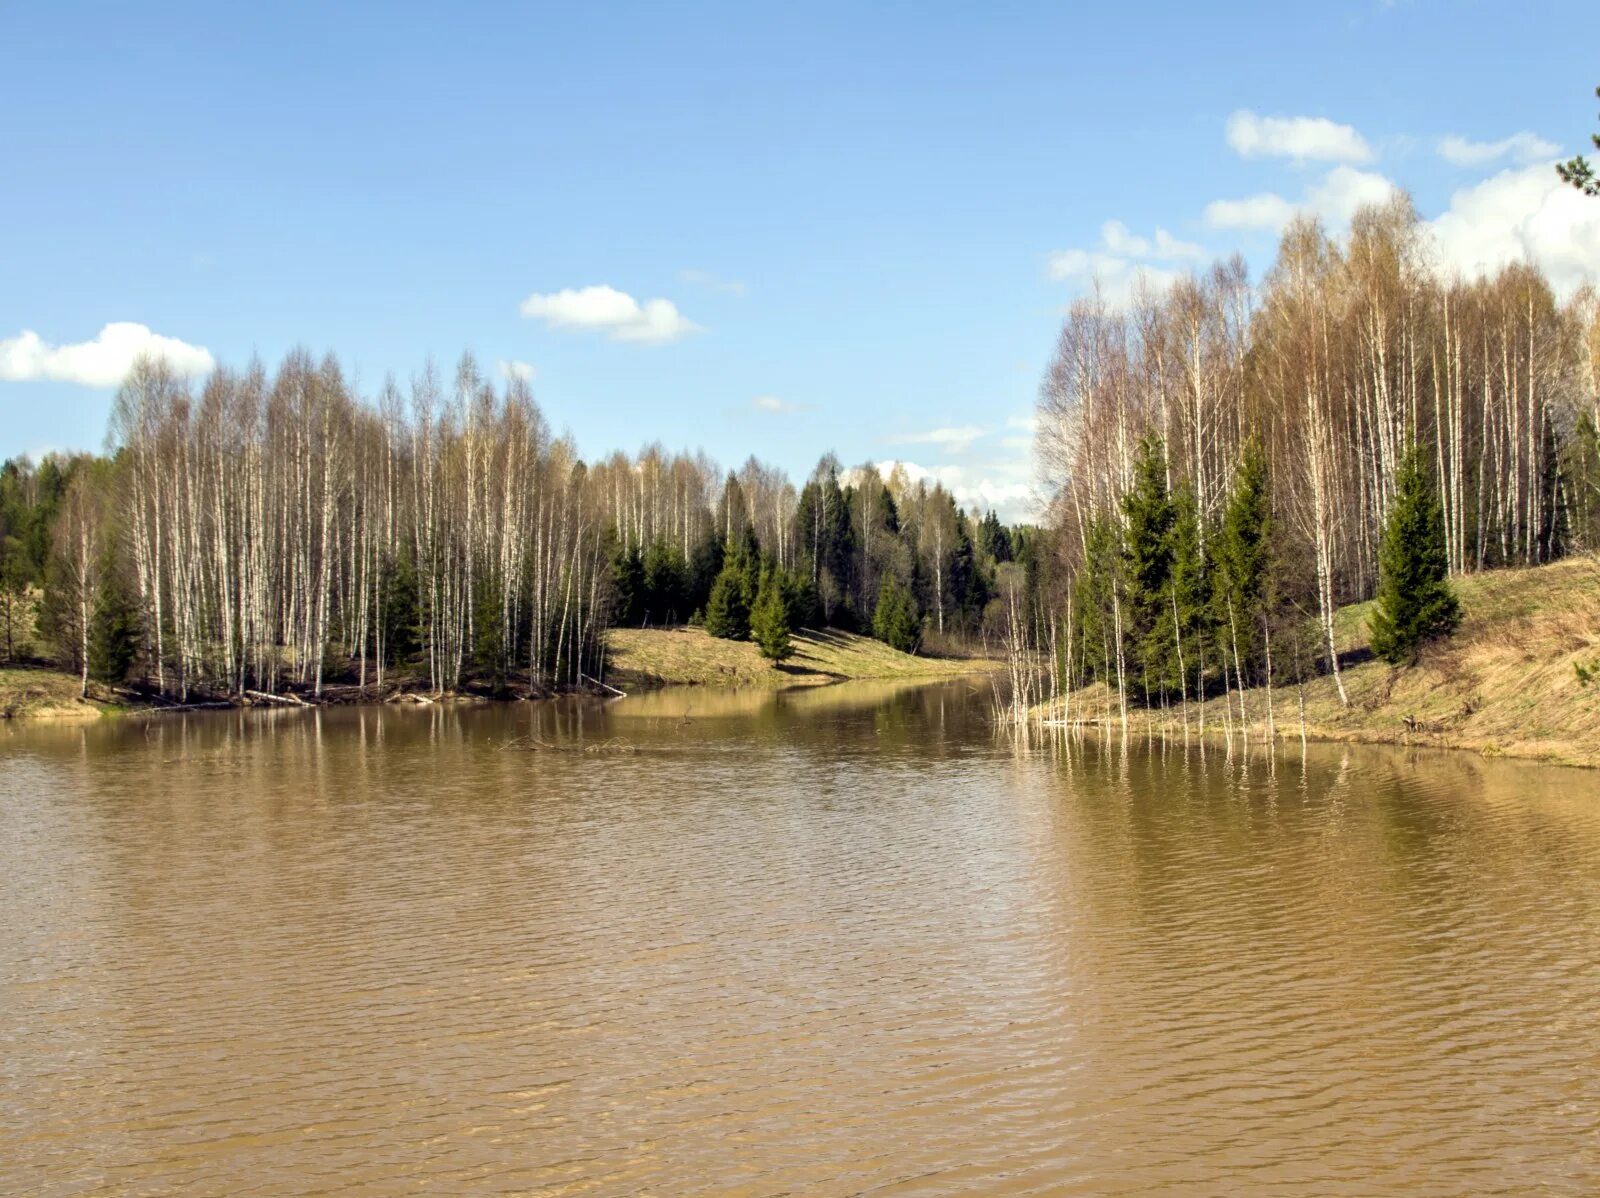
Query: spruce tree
{"x": 769, "y": 620}
{"x": 627, "y": 585}
{"x": 1188, "y": 613}
{"x": 1243, "y": 561}
{"x": 488, "y": 643}
{"x": 114, "y": 626}
{"x": 894, "y": 622}
{"x": 727, "y": 613}
{"x": 994, "y": 539}
{"x": 400, "y": 609}
{"x": 1147, "y": 548}
{"x": 704, "y": 566}
{"x": 1415, "y": 600}
{"x": 1094, "y": 598}
{"x": 666, "y": 575}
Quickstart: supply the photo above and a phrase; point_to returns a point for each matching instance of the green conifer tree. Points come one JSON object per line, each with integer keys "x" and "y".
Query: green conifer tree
{"x": 1242, "y": 553}
{"x": 769, "y": 620}
{"x": 994, "y": 539}
{"x": 1415, "y": 600}
{"x": 666, "y": 573}
{"x": 400, "y": 609}
{"x": 1094, "y": 599}
{"x": 727, "y": 612}
{"x": 1188, "y": 617}
{"x": 627, "y": 584}
{"x": 895, "y": 622}
{"x": 488, "y": 640}
{"x": 114, "y": 627}
{"x": 1149, "y": 514}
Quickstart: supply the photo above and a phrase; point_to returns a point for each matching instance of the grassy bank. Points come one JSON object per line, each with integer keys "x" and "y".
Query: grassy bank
{"x": 28, "y": 693}
{"x": 1504, "y": 684}
{"x": 649, "y": 657}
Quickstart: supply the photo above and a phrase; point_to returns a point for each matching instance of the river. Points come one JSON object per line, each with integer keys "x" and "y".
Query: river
{"x": 834, "y": 942}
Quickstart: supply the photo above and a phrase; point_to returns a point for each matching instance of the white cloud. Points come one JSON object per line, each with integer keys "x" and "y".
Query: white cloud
{"x": 1264, "y": 211}
{"x": 1519, "y": 215}
{"x": 102, "y": 362}
{"x": 771, "y": 403}
{"x": 703, "y": 278}
{"x": 1163, "y": 247}
{"x": 1026, "y": 427}
{"x": 514, "y": 368}
{"x": 1345, "y": 189}
{"x": 616, "y": 313}
{"x": 1519, "y": 147}
{"x": 957, "y": 439}
{"x": 1334, "y": 198}
{"x": 1301, "y": 138}
{"x": 1122, "y": 261}
{"x": 1005, "y": 486}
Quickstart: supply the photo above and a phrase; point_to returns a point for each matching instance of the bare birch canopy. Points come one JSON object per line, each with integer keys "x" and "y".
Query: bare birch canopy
{"x": 278, "y": 530}
{"x": 1344, "y": 356}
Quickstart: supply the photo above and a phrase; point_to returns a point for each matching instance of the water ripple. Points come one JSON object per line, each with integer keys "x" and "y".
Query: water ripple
{"x": 844, "y": 944}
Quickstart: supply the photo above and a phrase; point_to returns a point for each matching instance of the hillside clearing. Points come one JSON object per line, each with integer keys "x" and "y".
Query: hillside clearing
{"x": 646, "y": 657}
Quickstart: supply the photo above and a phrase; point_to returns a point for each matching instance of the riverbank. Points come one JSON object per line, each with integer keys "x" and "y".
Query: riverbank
{"x": 1504, "y": 685}
{"x": 641, "y": 658}
{"x": 41, "y": 694}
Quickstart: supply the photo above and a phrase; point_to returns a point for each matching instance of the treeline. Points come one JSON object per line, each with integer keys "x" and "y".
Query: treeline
{"x": 1225, "y": 458}
{"x": 261, "y": 532}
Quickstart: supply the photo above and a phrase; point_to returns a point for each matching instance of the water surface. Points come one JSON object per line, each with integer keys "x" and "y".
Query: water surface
{"x": 835, "y": 942}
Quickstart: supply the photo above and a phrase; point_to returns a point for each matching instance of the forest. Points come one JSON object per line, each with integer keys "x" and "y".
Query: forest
{"x": 279, "y": 533}
{"x": 1221, "y": 461}
{"x": 1225, "y": 458}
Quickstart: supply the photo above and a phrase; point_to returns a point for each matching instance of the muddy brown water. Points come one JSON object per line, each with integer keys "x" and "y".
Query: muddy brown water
{"x": 838, "y": 942}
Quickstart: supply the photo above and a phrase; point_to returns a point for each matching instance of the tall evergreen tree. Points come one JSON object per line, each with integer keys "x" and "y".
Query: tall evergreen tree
{"x": 1581, "y": 470}
{"x": 1149, "y": 516}
{"x": 1189, "y": 617}
{"x": 665, "y": 575}
{"x": 114, "y": 632}
{"x": 826, "y": 537}
{"x": 1416, "y": 602}
{"x": 769, "y": 620}
{"x": 727, "y": 611}
{"x": 399, "y": 608}
{"x": 894, "y": 622}
{"x": 489, "y": 642}
{"x": 1094, "y": 599}
{"x": 994, "y": 539}
{"x": 968, "y": 584}
{"x": 627, "y": 583}
{"x": 1242, "y": 553}
{"x": 704, "y": 566}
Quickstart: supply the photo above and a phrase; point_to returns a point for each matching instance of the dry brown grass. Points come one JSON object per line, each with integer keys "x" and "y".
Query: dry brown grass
{"x": 644, "y": 657}
{"x": 1503, "y": 685}
{"x": 44, "y": 694}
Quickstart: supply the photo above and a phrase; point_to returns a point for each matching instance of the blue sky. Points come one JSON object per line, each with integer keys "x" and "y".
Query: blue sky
{"x": 871, "y": 215}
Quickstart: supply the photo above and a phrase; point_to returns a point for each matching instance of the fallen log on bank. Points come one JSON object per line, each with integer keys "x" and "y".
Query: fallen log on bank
{"x": 268, "y": 697}
{"x": 603, "y": 686}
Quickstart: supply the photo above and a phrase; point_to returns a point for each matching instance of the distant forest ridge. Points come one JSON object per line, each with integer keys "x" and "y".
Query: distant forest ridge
{"x": 262, "y": 531}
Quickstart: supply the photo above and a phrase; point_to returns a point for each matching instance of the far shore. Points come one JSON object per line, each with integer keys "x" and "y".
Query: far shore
{"x": 641, "y": 659}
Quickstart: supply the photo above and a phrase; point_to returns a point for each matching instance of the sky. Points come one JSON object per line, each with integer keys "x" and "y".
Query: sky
{"x": 743, "y": 228}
